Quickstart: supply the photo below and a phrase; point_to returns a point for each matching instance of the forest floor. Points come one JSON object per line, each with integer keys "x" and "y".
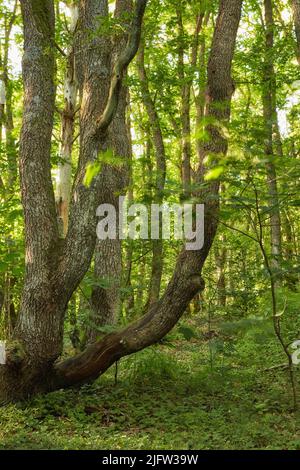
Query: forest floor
{"x": 191, "y": 392}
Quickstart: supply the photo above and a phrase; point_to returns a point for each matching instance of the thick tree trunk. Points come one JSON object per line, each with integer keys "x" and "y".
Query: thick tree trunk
{"x": 40, "y": 321}
{"x": 54, "y": 269}
{"x": 106, "y": 297}
{"x": 40, "y": 324}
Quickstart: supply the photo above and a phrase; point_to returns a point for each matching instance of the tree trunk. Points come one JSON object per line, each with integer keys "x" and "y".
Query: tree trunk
{"x": 296, "y": 16}
{"x": 106, "y": 298}
{"x": 52, "y": 274}
{"x": 186, "y": 81}
{"x": 39, "y": 324}
{"x": 64, "y": 171}
{"x": 220, "y": 260}
{"x": 160, "y": 158}
{"x": 128, "y": 299}
{"x": 200, "y": 97}
{"x": 6, "y": 115}
{"x": 271, "y": 129}
{"x": 54, "y": 268}
{"x": 186, "y": 281}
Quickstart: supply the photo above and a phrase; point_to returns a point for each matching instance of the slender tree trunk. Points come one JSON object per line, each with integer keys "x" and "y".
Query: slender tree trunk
{"x": 296, "y": 16}
{"x": 220, "y": 259}
{"x": 9, "y": 147}
{"x": 271, "y": 129}
{"x": 129, "y": 300}
{"x": 160, "y": 158}
{"x": 106, "y": 295}
{"x": 1, "y": 301}
{"x": 64, "y": 171}
{"x": 186, "y": 81}
{"x": 2, "y": 106}
{"x": 199, "y": 98}
{"x": 6, "y": 114}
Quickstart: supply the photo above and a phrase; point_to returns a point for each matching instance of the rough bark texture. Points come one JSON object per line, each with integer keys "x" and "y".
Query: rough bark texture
{"x": 186, "y": 281}
{"x": 52, "y": 274}
{"x": 64, "y": 171}
{"x": 54, "y": 267}
{"x": 115, "y": 178}
{"x": 271, "y": 124}
{"x": 39, "y": 325}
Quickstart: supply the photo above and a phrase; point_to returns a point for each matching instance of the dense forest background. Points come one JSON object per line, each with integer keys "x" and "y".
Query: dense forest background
{"x": 181, "y": 131}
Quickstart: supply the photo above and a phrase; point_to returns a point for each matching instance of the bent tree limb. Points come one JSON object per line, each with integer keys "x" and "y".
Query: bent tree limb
{"x": 94, "y": 85}
{"x": 53, "y": 271}
{"x": 186, "y": 280}
{"x": 120, "y": 67}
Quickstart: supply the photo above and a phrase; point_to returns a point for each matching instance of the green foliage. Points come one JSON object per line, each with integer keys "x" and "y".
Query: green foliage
{"x": 218, "y": 380}
{"x": 164, "y": 399}
{"x": 94, "y": 168}
{"x": 151, "y": 365}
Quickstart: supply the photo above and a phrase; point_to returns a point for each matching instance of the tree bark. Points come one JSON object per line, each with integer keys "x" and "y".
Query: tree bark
{"x": 10, "y": 176}
{"x": 6, "y": 114}
{"x": 200, "y": 97}
{"x": 271, "y": 130}
{"x": 52, "y": 274}
{"x": 296, "y": 16}
{"x": 186, "y": 81}
{"x": 160, "y": 158}
{"x": 55, "y": 268}
{"x": 186, "y": 281}
{"x": 64, "y": 171}
{"x": 220, "y": 260}
{"x": 106, "y": 299}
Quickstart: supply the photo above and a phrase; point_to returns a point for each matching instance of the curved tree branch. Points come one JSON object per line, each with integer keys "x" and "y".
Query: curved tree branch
{"x": 186, "y": 280}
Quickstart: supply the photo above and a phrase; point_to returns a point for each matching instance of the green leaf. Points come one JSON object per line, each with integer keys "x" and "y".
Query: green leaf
{"x": 214, "y": 174}
{"x": 93, "y": 169}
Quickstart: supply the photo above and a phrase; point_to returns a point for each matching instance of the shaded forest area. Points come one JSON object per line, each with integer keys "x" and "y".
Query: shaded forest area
{"x": 144, "y": 342}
